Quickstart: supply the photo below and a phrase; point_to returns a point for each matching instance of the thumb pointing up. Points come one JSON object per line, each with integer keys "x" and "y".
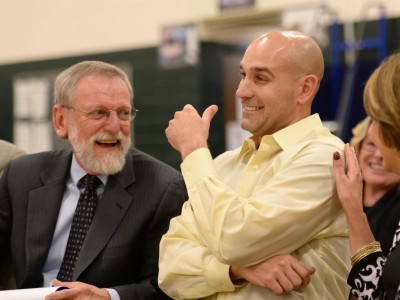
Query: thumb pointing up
{"x": 209, "y": 113}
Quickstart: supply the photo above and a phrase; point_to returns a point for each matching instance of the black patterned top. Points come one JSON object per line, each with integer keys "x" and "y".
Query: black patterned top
{"x": 376, "y": 277}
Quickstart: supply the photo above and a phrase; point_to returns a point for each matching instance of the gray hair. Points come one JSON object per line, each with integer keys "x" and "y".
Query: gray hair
{"x": 64, "y": 86}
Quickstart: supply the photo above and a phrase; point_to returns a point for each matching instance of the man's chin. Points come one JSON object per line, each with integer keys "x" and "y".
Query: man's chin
{"x": 106, "y": 167}
{"x": 100, "y": 151}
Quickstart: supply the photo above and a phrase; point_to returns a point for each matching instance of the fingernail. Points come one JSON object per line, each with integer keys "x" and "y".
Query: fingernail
{"x": 336, "y": 155}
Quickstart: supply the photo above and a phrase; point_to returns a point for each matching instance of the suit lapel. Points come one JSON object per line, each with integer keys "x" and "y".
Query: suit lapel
{"x": 43, "y": 208}
{"x": 110, "y": 211}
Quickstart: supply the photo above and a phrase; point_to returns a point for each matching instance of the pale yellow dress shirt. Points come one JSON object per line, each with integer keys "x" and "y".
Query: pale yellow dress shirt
{"x": 250, "y": 204}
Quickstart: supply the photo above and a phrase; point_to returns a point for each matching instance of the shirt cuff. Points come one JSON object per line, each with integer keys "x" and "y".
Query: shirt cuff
{"x": 218, "y": 276}
{"x": 197, "y": 165}
{"x": 113, "y": 294}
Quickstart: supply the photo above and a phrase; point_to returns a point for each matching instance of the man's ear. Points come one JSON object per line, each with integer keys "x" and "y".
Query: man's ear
{"x": 59, "y": 122}
{"x": 309, "y": 88}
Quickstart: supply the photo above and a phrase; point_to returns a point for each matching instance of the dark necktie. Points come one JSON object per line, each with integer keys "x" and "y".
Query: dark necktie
{"x": 80, "y": 225}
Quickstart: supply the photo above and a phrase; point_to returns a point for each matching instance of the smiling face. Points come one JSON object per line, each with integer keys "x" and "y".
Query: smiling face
{"x": 276, "y": 90}
{"x": 391, "y": 156}
{"x": 267, "y": 93}
{"x": 371, "y": 164}
{"x": 100, "y": 146}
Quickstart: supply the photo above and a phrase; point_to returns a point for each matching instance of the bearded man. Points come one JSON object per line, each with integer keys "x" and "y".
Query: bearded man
{"x": 99, "y": 236}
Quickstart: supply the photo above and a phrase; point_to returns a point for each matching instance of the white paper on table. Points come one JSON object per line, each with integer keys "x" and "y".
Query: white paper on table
{"x": 29, "y": 294}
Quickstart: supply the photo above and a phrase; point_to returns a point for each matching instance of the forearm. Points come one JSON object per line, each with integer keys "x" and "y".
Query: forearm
{"x": 360, "y": 233}
{"x": 193, "y": 275}
{"x": 350, "y": 192}
{"x": 187, "y": 269}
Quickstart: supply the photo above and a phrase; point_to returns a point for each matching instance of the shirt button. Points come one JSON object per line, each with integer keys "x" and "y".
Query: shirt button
{"x": 187, "y": 173}
{"x": 255, "y": 167}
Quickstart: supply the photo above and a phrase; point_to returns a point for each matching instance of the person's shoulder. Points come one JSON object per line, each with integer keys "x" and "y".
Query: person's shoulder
{"x": 317, "y": 146}
{"x": 10, "y": 148}
{"x": 6, "y": 144}
{"x": 45, "y": 157}
{"x": 323, "y": 137}
{"x": 29, "y": 167}
{"x": 145, "y": 160}
{"x": 317, "y": 133}
{"x": 331, "y": 141}
{"x": 321, "y": 144}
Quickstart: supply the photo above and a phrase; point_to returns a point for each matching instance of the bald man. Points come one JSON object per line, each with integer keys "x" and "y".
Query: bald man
{"x": 274, "y": 195}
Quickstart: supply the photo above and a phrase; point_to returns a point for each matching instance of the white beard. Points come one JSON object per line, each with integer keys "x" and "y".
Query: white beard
{"x": 110, "y": 163}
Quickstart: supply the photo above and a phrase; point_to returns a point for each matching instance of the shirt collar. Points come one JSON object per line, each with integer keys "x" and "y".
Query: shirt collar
{"x": 77, "y": 173}
{"x": 287, "y": 136}
{"x": 296, "y": 132}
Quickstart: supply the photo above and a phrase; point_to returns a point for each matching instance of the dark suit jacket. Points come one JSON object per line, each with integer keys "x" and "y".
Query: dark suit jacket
{"x": 122, "y": 246}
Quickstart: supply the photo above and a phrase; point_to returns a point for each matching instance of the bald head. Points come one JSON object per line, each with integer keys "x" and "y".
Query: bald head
{"x": 293, "y": 50}
{"x": 281, "y": 74}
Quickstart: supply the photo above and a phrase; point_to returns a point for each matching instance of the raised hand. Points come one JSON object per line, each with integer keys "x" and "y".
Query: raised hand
{"x": 348, "y": 180}
{"x": 189, "y": 131}
{"x": 350, "y": 188}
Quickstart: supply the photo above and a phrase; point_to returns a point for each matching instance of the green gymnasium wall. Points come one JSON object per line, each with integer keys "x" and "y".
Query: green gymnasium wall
{"x": 159, "y": 92}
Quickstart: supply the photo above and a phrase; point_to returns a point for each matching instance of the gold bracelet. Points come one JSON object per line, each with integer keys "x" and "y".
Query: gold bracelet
{"x": 365, "y": 251}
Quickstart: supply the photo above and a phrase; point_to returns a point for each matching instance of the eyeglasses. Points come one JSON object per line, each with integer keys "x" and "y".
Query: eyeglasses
{"x": 100, "y": 113}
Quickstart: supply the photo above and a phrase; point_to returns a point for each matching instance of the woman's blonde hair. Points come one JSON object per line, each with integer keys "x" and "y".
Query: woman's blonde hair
{"x": 382, "y": 99}
{"x": 360, "y": 132}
